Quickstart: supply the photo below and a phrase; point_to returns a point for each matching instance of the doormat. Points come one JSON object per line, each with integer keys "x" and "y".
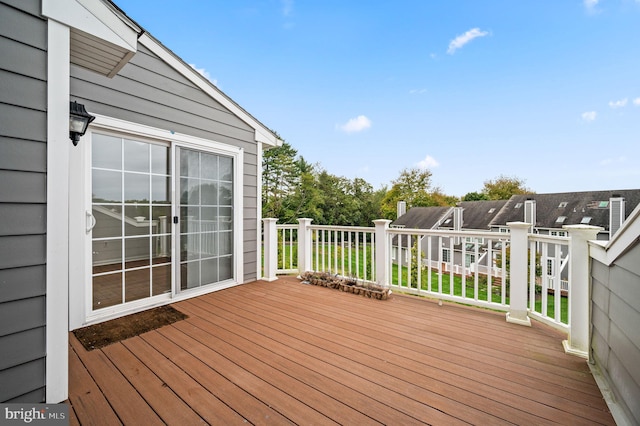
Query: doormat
{"x": 108, "y": 332}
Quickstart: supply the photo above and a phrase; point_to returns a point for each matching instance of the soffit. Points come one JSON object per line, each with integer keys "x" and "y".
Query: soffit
{"x": 102, "y": 38}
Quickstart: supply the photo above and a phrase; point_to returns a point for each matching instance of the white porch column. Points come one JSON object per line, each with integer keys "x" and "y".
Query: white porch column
{"x": 270, "y": 249}
{"x": 304, "y": 245}
{"x": 518, "y": 274}
{"x": 58, "y": 146}
{"x": 382, "y": 252}
{"x": 579, "y": 298}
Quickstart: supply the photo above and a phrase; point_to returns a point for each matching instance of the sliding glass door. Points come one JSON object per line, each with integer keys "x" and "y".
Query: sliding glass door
{"x": 134, "y": 197}
{"x": 131, "y": 207}
{"x": 205, "y": 191}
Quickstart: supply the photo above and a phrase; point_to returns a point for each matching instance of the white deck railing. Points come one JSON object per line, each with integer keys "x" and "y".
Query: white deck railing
{"x": 502, "y": 271}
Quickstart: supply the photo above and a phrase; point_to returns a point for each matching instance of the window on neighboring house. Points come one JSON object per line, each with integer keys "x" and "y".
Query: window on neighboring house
{"x": 469, "y": 259}
{"x": 550, "y": 267}
{"x": 504, "y": 230}
{"x": 491, "y": 210}
{"x": 517, "y": 206}
{"x": 603, "y": 204}
{"x": 558, "y": 233}
{"x": 446, "y": 255}
{"x": 561, "y": 219}
{"x": 586, "y": 220}
{"x": 562, "y": 204}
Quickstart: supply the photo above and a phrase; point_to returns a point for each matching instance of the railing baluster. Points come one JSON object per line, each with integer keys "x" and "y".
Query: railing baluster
{"x": 544, "y": 279}
{"x": 476, "y": 259}
{"x": 503, "y": 290}
{"x": 557, "y": 285}
{"x": 463, "y": 275}
{"x": 428, "y": 263}
{"x": 452, "y": 256}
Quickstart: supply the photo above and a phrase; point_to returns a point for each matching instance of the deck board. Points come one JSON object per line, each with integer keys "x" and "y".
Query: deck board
{"x": 288, "y": 353}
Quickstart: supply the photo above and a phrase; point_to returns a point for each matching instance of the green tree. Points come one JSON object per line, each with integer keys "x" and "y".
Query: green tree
{"x": 414, "y": 187}
{"x": 503, "y": 187}
{"x": 280, "y": 178}
{"x": 475, "y": 196}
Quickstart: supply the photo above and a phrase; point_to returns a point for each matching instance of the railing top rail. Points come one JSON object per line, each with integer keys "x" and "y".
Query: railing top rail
{"x": 451, "y": 233}
{"x": 343, "y": 228}
{"x": 287, "y": 226}
{"x": 549, "y": 239}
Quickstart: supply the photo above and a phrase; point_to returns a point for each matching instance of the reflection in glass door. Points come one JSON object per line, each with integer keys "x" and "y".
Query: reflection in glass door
{"x": 205, "y": 190}
{"x": 131, "y": 205}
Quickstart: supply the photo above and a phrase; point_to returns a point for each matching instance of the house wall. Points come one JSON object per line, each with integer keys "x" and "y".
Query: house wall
{"x": 23, "y": 155}
{"x": 615, "y": 342}
{"x": 150, "y": 92}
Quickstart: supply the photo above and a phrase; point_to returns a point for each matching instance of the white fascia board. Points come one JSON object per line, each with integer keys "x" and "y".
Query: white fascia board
{"x": 95, "y": 18}
{"x": 262, "y": 134}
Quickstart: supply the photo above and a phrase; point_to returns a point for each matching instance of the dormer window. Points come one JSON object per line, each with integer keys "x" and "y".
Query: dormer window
{"x": 562, "y": 205}
{"x": 517, "y": 206}
{"x": 447, "y": 221}
{"x": 491, "y": 210}
{"x": 603, "y": 204}
{"x": 586, "y": 220}
{"x": 561, "y": 219}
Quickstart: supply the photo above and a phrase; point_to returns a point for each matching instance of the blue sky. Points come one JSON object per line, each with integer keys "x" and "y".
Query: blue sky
{"x": 544, "y": 90}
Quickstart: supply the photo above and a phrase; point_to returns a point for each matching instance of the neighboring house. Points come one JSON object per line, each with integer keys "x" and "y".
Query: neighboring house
{"x": 159, "y": 201}
{"x": 415, "y": 218}
{"x": 547, "y": 213}
{"x": 550, "y": 212}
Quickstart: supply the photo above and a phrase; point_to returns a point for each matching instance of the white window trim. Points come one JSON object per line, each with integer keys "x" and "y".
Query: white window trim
{"x": 78, "y": 251}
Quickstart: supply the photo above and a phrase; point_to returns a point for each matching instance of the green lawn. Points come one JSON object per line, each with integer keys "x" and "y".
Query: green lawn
{"x": 285, "y": 261}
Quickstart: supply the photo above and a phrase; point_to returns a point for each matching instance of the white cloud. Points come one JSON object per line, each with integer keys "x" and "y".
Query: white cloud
{"x": 203, "y": 72}
{"x": 428, "y": 163}
{"x": 618, "y": 104}
{"x": 636, "y": 101}
{"x": 357, "y": 124}
{"x": 589, "y": 115}
{"x": 465, "y": 38}
{"x": 287, "y": 7}
{"x": 417, "y": 91}
{"x": 609, "y": 161}
{"x": 590, "y": 5}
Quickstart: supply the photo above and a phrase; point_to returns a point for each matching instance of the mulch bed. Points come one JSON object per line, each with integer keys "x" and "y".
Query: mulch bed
{"x": 108, "y": 332}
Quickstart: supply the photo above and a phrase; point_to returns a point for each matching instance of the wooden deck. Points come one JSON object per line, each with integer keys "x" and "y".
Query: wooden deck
{"x": 288, "y": 353}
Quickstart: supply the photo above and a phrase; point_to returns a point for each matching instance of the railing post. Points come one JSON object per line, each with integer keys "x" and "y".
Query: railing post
{"x": 270, "y": 249}
{"x": 579, "y": 279}
{"x": 382, "y": 252}
{"x": 304, "y": 245}
{"x": 518, "y": 273}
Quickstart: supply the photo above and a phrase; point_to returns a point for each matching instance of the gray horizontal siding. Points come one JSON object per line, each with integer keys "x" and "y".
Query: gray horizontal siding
{"x": 23, "y": 382}
{"x": 615, "y": 342}
{"x": 23, "y": 154}
{"x": 22, "y": 187}
{"x": 22, "y": 219}
{"x": 22, "y": 283}
{"x": 149, "y": 92}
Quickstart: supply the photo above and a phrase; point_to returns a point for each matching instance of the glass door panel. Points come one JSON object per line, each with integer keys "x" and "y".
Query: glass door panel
{"x": 206, "y": 221}
{"x": 131, "y": 204}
